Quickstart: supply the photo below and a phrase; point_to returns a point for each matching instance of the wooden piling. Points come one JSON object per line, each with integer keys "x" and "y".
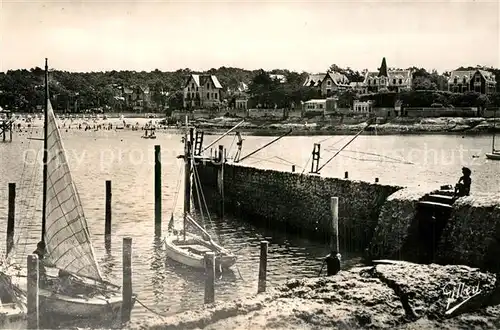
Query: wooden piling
{"x": 127, "y": 280}
{"x": 263, "y": 267}
{"x": 157, "y": 190}
{"x": 346, "y": 175}
{"x": 107, "y": 224}
{"x": 221, "y": 153}
{"x": 209, "y": 278}
{"x": 11, "y": 217}
{"x": 32, "y": 292}
{"x": 334, "y": 208}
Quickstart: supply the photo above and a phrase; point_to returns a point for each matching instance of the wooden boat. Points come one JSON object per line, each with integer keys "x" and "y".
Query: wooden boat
{"x": 12, "y": 304}
{"x": 187, "y": 247}
{"x": 151, "y": 134}
{"x": 74, "y": 286}
{"x": 494, "y": 154}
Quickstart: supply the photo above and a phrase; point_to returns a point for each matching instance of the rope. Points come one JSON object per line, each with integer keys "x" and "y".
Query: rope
{"x": 177, "y": 190}
{"x": 149, "y": 308}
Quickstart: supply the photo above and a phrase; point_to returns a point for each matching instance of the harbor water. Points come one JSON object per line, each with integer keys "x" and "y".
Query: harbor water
{"x": 126, "y": 159}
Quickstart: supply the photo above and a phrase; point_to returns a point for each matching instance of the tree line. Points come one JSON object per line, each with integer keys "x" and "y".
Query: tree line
{"x": 23, "y": 90}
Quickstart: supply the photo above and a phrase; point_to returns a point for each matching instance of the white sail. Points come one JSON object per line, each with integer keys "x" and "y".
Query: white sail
{"x": 67, "y": 238}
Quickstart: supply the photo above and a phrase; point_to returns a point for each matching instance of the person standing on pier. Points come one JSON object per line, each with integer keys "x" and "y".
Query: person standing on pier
{"x": 462, "y": 188}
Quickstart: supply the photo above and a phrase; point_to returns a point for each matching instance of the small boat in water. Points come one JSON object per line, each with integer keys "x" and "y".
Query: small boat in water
{"x": 73, "y": 286}
{"x": 494, "y": 154}
{"x": 189, "y": 248}
{"x": 151, "y": 134}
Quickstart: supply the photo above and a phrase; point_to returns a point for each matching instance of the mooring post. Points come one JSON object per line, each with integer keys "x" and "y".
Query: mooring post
{"x": 221, "y": 153}
{"x": 263, "y": 267}
{"x": 333, "y": 259}
{"x": 107, "y": 223}
{"x": 209, "y": 277}
{"x": 376, "y": 180}
{"x": 32, "y": 294}
{"x": 127, "y": 280}
{"x": 157, "y": 191}
{"x": 346, "y": 175}
{"x": 11, "y": 217}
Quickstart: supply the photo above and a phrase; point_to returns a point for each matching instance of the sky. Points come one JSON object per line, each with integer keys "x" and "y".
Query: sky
{"x": 308, "y": 36}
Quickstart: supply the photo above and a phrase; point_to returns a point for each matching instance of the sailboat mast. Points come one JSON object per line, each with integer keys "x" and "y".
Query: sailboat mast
{"x": 187, "y": 180}
{"x": 494, "y": 129}
{"x": 45, "y": 152}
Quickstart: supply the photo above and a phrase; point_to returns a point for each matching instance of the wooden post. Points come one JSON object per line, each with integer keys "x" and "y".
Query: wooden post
{"x": 221, "y": 153}
{"x": 32, "y": 294}
{"x": 209, "y": 277}
{"x": 346, "y": 175}
{"x": 127, "y": 280}
{"x": 11, "y": 217}
{"x": 376, "y": 180}
{"x": 263, "y": 267}
{"x": 157, "y": 191}
{"x": 333, "y": 259}
{"x": 107, "y": 224}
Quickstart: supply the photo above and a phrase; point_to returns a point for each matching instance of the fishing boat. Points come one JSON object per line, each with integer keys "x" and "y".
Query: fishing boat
{"x": 151, "y": 134}
{"x": 494, "y": 154}
{"x": 73, "y": 286}
{"x": 12, "y": 304}
{"x": 188, "y": 246}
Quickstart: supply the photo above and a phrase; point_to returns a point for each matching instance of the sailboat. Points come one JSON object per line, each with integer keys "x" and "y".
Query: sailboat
{"x": 189, "y": 248}
{"x": 73, "y": 286}
{"x": 494, "y": 154}
{"x": 12, "y": 303}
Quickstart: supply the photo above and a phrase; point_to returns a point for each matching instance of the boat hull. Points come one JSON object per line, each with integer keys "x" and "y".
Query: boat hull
{"x": 493, "y": 156}
{"x": 80, "y": 307}
{"x": 12, "y": 317}
{"x": 191, "y": 252}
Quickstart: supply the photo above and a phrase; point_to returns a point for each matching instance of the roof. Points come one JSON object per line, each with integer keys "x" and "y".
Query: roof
{"x": 196, "y": 78}
{"x": 280, "y": 77}
{"x": 316, "y": 101}
{"x": 405, "y": 75}
{"x": 337, "y": 78}
{"x": 467, "y": 74}
{"x": 314, "y": 80}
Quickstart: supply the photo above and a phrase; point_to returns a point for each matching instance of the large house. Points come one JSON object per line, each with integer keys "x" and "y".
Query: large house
{"x": 328, "y": 83}
{"x": 480, "y": 81}
{"x": 202, "y": 90}
{"x": 393, "y": 80}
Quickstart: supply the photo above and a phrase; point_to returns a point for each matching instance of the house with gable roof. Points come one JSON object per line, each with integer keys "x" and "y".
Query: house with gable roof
{"x": 479, "y": 81}
{"x": 328, "y": 83}
{"x": 202, "y": 90}
{"x": 393, "y": 80}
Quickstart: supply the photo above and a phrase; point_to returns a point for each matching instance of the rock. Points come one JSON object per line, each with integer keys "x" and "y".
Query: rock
{"x": 399, "y": 296}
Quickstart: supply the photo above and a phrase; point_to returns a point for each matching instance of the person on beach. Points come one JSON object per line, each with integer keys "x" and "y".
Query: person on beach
{"x": 462, "y": 188}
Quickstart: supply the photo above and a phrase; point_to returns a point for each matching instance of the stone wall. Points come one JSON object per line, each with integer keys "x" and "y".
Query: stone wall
{"x": 299, "y": 203}
{"x": 472, "y": 236}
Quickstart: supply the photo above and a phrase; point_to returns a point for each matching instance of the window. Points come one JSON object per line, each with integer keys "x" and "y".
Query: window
{"x": 192, "y": 85}
{"x": 208, "y": 96}
{"x": 328, "y": 83}
{"x": 321, "y": 106}
{"x": 208, "y": 85}
{"x": 464, "y": 80}
{"x": 196, "y": 88}
{"x": 394, "y": 81}
{"x": 188, "y": 89}
{"x": 192, "y": 95}
{"x": 400, "y": 81}
{"x": 215, "y": 96}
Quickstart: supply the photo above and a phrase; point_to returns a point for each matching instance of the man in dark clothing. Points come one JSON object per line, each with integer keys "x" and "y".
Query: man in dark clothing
{"x": 332, "y": 263}
{"x": 462, "y": 188}
{"x": 40, "y": 252}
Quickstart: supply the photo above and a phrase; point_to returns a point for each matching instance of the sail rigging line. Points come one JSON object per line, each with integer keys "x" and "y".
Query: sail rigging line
{"x": 375, "y": 154}
{"x": 45, "y": 151}
{"x": 345, "y": 146}
{"x": 177, "y": 189}
{"x": 198, "y": 181}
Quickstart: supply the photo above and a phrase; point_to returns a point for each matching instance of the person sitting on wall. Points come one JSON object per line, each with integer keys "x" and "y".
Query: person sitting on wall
{"x": 462, "y": 188}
